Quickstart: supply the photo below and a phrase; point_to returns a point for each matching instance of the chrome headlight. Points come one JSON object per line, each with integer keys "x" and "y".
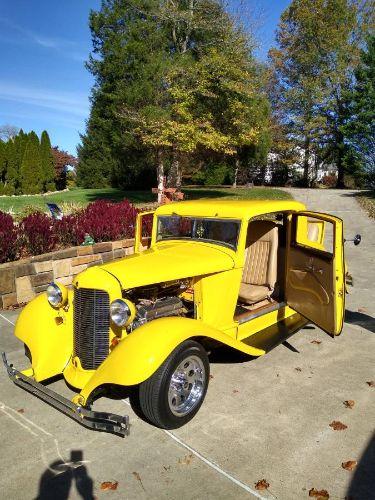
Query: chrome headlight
{"x": 55, "y": 295}
{"x": 120, "y": 312}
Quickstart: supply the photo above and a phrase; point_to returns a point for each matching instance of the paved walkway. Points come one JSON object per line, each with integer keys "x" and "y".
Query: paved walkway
{"x": 262, "y": 419}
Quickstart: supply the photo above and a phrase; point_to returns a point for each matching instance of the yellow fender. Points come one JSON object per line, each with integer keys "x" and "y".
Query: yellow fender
{"x": 47, "y": 332}
{"x": 142, "y": 352}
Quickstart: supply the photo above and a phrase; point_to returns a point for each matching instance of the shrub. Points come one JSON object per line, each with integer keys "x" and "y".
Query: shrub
{"x": 8, "y": 238}
{"x": 71, "y": 207}
{"x": 102, "y": 220}
{"x": 329, "y": 180}
{"x": 37, "y": 232}
{"x": 106, "y": 221}
{"x": 214, "y": 174}
{"x": 27, "y": 210}
{"x": 68, "y": 232}
{"x": 50, "y": 187}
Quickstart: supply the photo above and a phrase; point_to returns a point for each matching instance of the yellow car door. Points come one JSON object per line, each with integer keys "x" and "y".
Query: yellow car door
{"x": 315, "y": 273}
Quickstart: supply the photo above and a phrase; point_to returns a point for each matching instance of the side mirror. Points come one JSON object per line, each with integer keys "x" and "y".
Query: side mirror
{"x": 356, "y": 240}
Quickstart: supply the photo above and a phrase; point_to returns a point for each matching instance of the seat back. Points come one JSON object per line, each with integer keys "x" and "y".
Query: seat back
{"x": 261, "y": 254}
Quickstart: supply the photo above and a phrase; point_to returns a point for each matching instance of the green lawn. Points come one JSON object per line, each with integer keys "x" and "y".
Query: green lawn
{"x": 84, "y": 196}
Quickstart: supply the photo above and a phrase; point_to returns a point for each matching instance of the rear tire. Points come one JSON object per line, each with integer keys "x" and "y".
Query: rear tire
{"x": 172, "y": 396}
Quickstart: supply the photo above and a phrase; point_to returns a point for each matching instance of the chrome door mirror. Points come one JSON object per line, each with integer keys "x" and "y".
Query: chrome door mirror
{"x": 356, "y": 240}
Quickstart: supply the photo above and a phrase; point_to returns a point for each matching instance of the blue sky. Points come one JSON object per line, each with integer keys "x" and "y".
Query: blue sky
{"x": 43, "y": 46}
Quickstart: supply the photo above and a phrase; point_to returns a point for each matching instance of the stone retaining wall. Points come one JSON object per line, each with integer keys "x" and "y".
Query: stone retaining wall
{"x": 22, "y": 280}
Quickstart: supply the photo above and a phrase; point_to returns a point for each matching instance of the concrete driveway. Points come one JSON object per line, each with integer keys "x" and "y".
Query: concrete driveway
{"x": 262, "y": 419}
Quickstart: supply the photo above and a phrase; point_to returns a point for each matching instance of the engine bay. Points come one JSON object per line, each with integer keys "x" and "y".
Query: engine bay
{"x": 173, "y": 298}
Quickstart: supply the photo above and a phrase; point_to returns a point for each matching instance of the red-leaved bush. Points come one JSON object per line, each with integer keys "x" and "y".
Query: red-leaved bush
{"x": 102, "y": 220}
{"x": 68, "y": 232}
{"x": 37, "y": 232}
{"x": 8, "y": 238}
{"x": 107, "y": 221}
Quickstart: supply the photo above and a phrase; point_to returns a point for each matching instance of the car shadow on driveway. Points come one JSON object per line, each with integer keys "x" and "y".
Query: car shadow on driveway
{"x": 362, "y": 485}
{"x": 360, "y": 319}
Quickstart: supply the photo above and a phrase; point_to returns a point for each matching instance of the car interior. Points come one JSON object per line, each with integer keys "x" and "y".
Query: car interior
{"x": 262, "y": 283}
{"x": 262, "y": 287}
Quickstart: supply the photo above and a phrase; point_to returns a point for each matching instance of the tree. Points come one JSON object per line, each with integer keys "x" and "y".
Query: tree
{"x": 3, "y": 165}
{"x": 8, "y": 132}
{"x": 165, "y": 75}
{"x": 31, "y": 174}
{"x": 12, "y": 168}
{"x": 127, "y": 53}
{"x": 61, "y": 160}
{"x": 360, "y": 129}
{"x": 318, "y": 48}
{"x": 47, "y": 163}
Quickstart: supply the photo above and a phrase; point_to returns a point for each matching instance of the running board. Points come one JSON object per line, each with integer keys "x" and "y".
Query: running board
{"x": 245, "y": 317}
{"x": 276, "y": 334}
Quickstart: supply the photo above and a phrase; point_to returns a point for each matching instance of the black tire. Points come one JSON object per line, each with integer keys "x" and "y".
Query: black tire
{"x": 154, "y": 392}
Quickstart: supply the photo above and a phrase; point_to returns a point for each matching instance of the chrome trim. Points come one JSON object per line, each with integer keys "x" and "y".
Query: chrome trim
{"x": 186, "y": 386}
{"x": 253, "y": 315}
{"x": 91, "y": 326}
{"x": 95, "y": 420}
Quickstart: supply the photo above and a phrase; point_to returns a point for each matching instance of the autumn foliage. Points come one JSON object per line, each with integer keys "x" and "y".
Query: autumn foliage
{"x": 8, "y": 238}
{"x": 38, "y": 233}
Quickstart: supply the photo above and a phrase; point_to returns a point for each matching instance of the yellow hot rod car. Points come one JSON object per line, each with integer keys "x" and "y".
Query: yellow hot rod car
{"x": 243, "y": 274}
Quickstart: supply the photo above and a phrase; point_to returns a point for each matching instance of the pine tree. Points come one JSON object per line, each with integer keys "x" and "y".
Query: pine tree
{"x": 3, "y": 165}
{"x": 20, "y": 142}
{"x": 12, "y": 171}
{"x": 31, "y": 175}
{"x": 127, "y": 51}
{"x": 2, "y": 160}
{"x": 47, "y": 163}
{"x": 360, "y": 129}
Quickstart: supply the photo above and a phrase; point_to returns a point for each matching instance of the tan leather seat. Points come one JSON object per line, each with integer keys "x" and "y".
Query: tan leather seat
{"x": 260, "y": 269}
{"x": 312, "y": 231}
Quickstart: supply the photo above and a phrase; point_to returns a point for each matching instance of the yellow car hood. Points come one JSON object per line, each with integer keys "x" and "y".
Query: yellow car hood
{"x": 167, "y": 262}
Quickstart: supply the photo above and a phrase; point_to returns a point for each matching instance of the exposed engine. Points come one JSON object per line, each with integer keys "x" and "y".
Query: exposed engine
{"x": 160, "y": 300}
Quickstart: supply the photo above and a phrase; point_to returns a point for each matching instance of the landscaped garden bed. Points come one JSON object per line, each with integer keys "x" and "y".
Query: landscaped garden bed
{"x": 22, "y": 280}
{"x": 38, "y": 233}
{"x": 38, "y": 249}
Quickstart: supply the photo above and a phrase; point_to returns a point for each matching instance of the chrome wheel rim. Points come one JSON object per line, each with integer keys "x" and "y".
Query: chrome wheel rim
{"x": 186, "y": 386}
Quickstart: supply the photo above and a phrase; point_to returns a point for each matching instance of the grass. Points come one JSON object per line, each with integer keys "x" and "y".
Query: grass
{"x": 367, "y": 201}
{"x": 84, "y": 196}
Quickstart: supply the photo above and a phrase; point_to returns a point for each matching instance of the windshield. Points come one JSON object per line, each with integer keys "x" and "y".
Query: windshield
{"x": 220, "y": 231}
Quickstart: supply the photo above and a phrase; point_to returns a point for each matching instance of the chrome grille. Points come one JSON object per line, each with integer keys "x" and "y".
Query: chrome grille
{"x": 91, "y": 327}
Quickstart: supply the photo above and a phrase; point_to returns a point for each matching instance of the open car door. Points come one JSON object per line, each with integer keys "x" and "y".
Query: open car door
{"x": 315, "y": 270}
{"x": 140, "y": 229}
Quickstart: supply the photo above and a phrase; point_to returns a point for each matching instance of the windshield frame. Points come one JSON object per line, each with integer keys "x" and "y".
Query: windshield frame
{"x": 234, "y": 248}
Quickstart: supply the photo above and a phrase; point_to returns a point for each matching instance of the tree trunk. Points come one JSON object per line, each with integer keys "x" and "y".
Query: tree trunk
{"x": 340, "y": 161}
{"x": 236, "y": 170}
{"x": 175, "y": 175}
{"x": 306, "y": 162}
{"x": 160, "y": 175}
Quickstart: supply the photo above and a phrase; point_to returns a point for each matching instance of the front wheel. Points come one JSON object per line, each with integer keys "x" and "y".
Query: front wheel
{"x": 174, "y": 393}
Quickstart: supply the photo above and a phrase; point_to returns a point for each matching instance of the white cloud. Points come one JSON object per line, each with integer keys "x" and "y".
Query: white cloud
{"x": 67, "y": 48}
{"x": 71, "y": 103}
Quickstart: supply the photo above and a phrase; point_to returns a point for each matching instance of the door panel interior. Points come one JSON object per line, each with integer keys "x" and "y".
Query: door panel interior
{"x": 310, "y": 286}
{"x": 315, "y": 273}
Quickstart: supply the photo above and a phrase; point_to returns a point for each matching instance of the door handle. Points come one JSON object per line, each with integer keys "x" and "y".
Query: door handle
{"x": 311, "y": 268}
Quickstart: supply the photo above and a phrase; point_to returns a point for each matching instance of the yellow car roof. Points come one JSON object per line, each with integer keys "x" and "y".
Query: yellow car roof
{"x": 236, "y": 209}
